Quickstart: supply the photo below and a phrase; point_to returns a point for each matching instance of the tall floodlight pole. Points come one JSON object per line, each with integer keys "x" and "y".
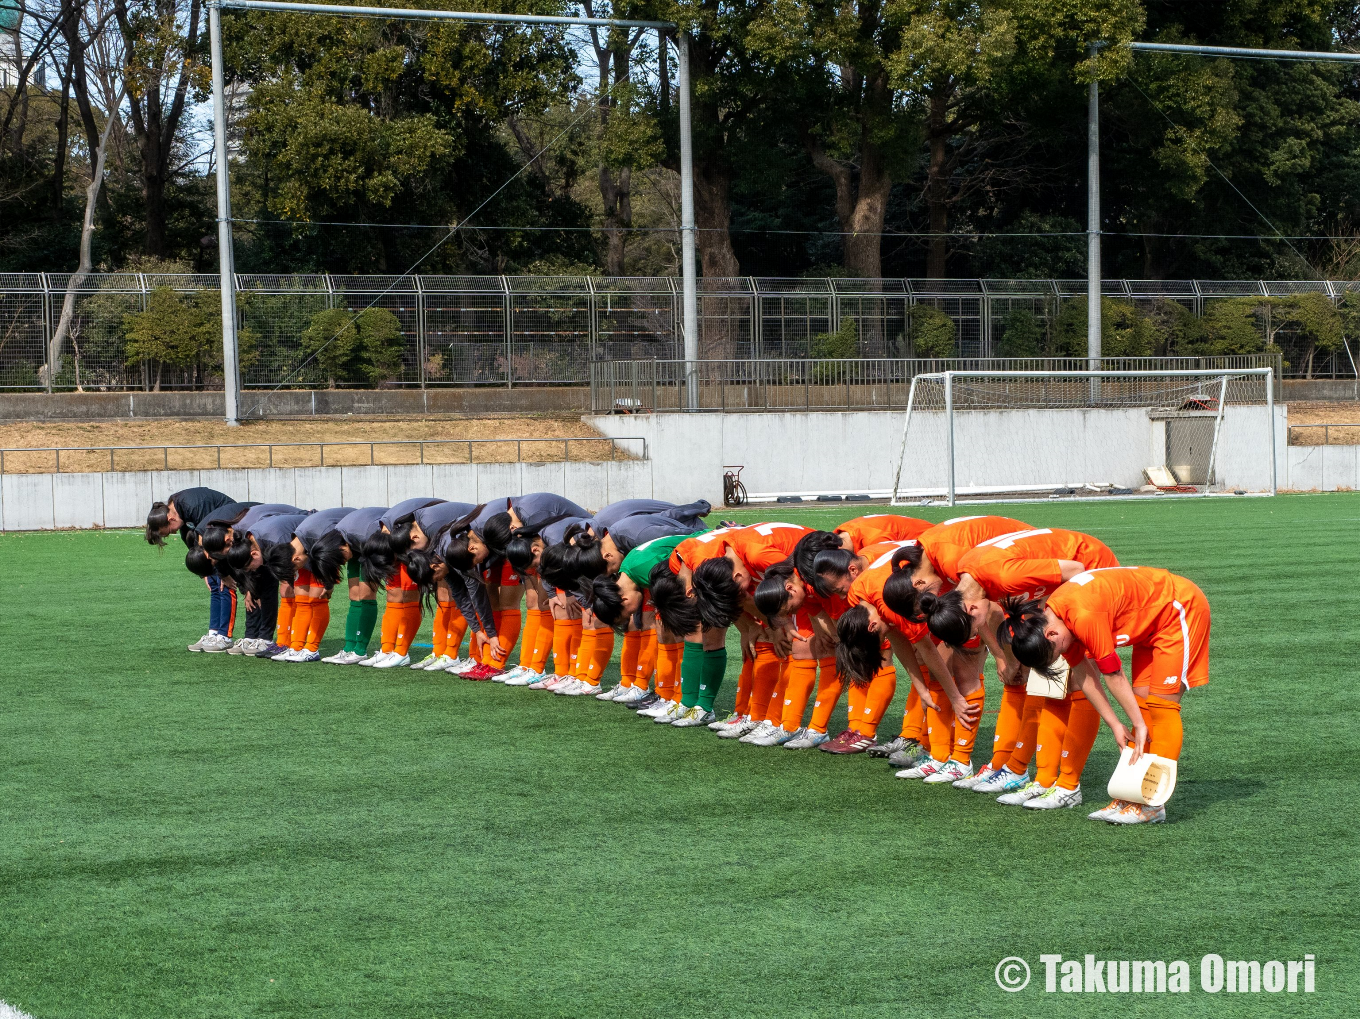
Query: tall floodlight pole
{"x": 690, "y": 283}
{"x": 226, "y": 261}
{"x": 1093, "y": 228}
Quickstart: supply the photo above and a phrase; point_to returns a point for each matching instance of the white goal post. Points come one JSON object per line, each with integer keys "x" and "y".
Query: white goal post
{"x": 989, "y": 435}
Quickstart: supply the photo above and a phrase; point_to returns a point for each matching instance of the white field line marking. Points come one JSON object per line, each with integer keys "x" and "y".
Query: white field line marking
{"x": 8, "y": 1011}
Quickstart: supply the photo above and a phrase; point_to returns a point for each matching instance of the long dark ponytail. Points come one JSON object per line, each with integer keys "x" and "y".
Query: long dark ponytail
{"x": 1023, "y": 629}
{"x": 946, "y": 616}
{"x": 898, "y": 593}
{"x": 859, "y": 655}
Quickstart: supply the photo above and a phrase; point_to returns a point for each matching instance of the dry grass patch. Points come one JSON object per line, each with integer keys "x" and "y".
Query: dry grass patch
{"x": 1324, "y": 414}
{"x": 310, "y": 442}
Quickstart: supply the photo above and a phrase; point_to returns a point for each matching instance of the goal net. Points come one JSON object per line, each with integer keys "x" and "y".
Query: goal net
{"x": 990, "y": 435}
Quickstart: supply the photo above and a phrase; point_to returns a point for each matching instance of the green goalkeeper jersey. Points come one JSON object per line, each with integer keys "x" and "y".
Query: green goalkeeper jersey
{"x": 639, "y": 563}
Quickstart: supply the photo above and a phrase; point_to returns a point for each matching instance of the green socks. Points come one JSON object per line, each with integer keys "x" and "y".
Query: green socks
{"x": 359, "y": 623}
{"x": 714, "y": 668}
{"x": 691, "y": 673}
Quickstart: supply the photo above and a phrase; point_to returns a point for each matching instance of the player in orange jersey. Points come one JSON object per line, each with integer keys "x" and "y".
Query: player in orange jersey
{"x": 881, "y": 601}
{"x": 719, "y": 570}
{"x": 877, "y": 527}
{"x": 933, "y": 568}
{"x": 1164, "y": 618}
{"x": 1029, "y": 565}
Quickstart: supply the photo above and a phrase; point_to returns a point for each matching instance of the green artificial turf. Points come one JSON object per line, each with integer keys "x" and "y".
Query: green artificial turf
{"x": 187, "y": 835}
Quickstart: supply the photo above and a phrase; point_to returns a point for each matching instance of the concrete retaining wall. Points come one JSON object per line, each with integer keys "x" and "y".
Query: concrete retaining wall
{"x": 32, "y": 502}
{"x": 289, "y": 403}
{"x": 857, "y": 451}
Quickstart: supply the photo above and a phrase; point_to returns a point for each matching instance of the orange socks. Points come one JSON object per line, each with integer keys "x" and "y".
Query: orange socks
{"x": 302, "y": 620}
{"x": 1048, "y": 744}
{"x": 407, "y": 625}
{"x": 744, "y": 681}
{"x": 321, "y": 619}
{"x": 914, "y": 718}
{"x": 829, "y": 688}
{"x": 1165, "y": 731}
{"x": 391, "y": 618}
{"x": 542, "y": 642}
{"x": 448, "y": 629}
{"x": 1083, "y": 724}
{"x": 508, "y": 622}
{"x": 940, "y": 724}
{"x": 628, "y": 658}
{"x": 646, "y": 661}
{"x": 600, "y": 652}
{"x": 964, "y": 738}
{"x": 802, "y": 677}
{"x": 566, "y": 639}
{"x": 668, "y": 670}
{"x": 528, "y": 635}
{"x": 284, "y": 636}
{"x": 1027, "y": 736}
{"x": 580, "y": 661}
{"x": 1008, "y": 721}
{"x": 877, "y": 696}
{"x": 763, "y": 681}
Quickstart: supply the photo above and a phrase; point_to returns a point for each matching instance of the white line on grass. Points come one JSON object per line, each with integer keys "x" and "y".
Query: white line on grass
{"x": 8, "y": 1011}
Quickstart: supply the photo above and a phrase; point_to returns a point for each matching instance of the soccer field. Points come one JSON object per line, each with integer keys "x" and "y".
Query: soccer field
{"x": 194, "y": 835}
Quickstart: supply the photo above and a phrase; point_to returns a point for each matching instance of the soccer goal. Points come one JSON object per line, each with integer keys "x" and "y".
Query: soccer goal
{"x": 1001, "y": 435}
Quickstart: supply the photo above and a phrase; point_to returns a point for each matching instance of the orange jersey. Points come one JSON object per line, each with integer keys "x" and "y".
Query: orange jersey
{"x": 762, "y": 545}
{"x": 876, "y": 527}
{"x": 868, "y": 587}
{"x": 693, "y": 551}
{"x": 945, "y": 544}
{"x": 1025, "y": 563}
{"x": 1127, "y": 606}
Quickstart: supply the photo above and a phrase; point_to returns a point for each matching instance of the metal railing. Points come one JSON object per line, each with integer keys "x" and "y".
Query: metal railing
{"x": 511, "y": 331}
{"x": 395, "y": 452}
{"x": 629, "y": 387}
{"x": 1352, "y": 437}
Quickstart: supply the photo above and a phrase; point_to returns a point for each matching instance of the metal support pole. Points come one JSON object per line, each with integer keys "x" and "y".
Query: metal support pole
{"x": 231, "y": 382}
{"x": 1270, "y": 411}
{"x": 690, "y": 294}
{"x": 949, "y": 425}
{"x": 1093, "y": 231}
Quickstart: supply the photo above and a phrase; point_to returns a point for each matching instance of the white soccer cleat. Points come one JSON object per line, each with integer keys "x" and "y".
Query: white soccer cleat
{"x": 922, "y": 770}
{"x": 373, "y": 659}
{"x": 723, "y": 723}
{"x": 739, "y": 729}
{"x": 776, "y": 737}
{"x": 425, "y": 662}
{"x": 970, "y": 781}
{"x": 335, "y": 659}
{"x": 757, "y": 731}
{"x": 1055, "y": 798}
{"x": 348, "y": 658}
{"x": 693, "y": 717}
{"x": 673, "y": 711}
{"x": 1003, "y": 780}
{"x": 805, "y": 739}
{"x": 567, "y": 686}
{"x": 525, "y": 677}
{"x": 613, "y": 693}
{"x": 1105, "y": 812}
{"x": 632, "y": 695}
{"x": 459, "y": 666}
{"x": 1024, "y": 794}
{"x": 393, "y": 661}
{"x": 584, "y": 688}
{"x": 951, "y": 772}
{"x": 306, "y": 656}
{"x": 285, "y": 655}
{"x": 656, "y": 710}
{"x": 1138, "y": 813}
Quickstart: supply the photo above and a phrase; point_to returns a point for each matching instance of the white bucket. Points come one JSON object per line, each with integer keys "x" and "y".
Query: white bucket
{"x": 1151, "y": 780}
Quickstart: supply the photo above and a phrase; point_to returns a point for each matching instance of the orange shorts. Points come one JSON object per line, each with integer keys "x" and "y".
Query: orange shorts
{"x": 403, "y": 581}
{"x": 1178, "y": 657}
{"x": 503, "y": 575}
{"x": 305, "y": 579}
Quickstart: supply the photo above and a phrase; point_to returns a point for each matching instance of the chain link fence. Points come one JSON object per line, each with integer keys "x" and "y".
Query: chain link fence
{"x": 508, "y": 331}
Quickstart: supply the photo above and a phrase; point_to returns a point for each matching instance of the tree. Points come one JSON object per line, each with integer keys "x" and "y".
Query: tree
{"x": 1124, "y": 330}
{"x": 852, "y": 124}
{"x": 1022, "y": 335}
{"x": 364, "y": 348}
{"x": 933, "y": 333}
{"x": 171, "y": 331}
{"x": 163, "y": 40}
